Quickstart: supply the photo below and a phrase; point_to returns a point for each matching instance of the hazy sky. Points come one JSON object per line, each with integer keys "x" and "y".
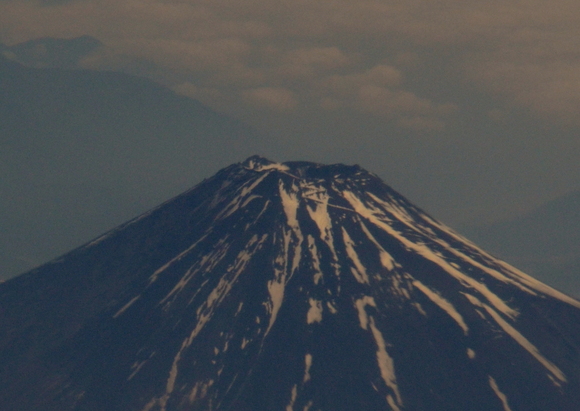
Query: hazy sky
{"x": 470, "y": 108}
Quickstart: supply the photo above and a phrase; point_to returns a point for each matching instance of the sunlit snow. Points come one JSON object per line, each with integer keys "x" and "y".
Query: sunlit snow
{"x": 502, "y": 397}
{"x": 443, "y": 304}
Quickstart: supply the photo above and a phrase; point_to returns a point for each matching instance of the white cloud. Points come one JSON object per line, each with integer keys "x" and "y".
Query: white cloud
{"x": 380, "y": 91}
{"x": 549, "y": 88}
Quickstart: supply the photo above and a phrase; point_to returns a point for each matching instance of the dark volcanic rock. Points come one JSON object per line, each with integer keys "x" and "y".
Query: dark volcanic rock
{"x": 292, "y": 286}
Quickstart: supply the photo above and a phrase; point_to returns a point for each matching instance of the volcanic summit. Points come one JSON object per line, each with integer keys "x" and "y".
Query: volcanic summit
{"x": 286, "y": 287}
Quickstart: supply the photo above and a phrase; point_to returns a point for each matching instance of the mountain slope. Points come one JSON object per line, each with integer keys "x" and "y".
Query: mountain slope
{"x": 291, "y": 286}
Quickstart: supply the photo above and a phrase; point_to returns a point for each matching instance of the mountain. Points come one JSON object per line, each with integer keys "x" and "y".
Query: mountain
{"x": 83, "y": 151}
{"x": 52, "y": 52}
{"x": 544, "y": 242}
{"x": 285, "y": 286}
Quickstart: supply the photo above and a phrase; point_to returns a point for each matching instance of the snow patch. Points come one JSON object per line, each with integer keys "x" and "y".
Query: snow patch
{"x": 277, "y": 285}
{"x": 276, "y": 290}
{"x": 397, "y": 285}
{"x": 359, "y": 272}
{"x": 199, "y": 390}
{"x": 100, "y": 239}
{"x": 290, "y": 406}
{"x": 137, "y": 365}
{"x": 331, "y": 307}
{"x": 386, "y": 365}
{"x": 315, "y": 260}
{"x": 386, "y": 260}
{"x": 249, "y": 199}
{"x": 206, "y": 310}
{"x": 443, "y": 304}
{"x": 419, "y": 308}
{"x": 243, "y": 197}
{"x": 360, "y": 305}
{"x": 524, "y": 278}
{"x": 392, "y": 403}
{"x": 519, "y": 338}
{"x": 124, "y": 308}
{"x": 541, "y": 287}
{"x": 262, "y": 164}
{"x": 493, "y": 273}
{"x": 400, "y": 213}
{"x": 319, "y": 214}
{"x": 164, "y": 267}
{"x": 308, "y": 364}
{"x": 239, "y": 308}
{"x": 291, "y": 203}
{"x": 315, "y": 311}
{"x": 502, "y": 397}
{"x": 426, "y": 253}
{"x": 207, "y": 263}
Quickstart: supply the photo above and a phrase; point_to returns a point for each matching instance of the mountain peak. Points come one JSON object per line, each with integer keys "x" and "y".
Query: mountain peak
{"x": 304, "y": 169}
{"x": 259, "y": 163}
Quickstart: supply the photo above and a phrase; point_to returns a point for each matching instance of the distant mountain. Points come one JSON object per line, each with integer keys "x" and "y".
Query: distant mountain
{"x": 544, "y": 242}
{"x": 286, "y": 286}
{"x": 82, "y": 151}
{"x": 52, "y": 52}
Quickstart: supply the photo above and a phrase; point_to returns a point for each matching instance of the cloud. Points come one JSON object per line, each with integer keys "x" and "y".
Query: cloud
{"x": 379, "y": 91}
{"x": 379, "y": 76}
{"x": 271, "y": 98}
{"x": 324, "y": 53}
{"x": 307, "y": 63}
{"x": 548, "y": 88}
{"x": 196, "y": 56}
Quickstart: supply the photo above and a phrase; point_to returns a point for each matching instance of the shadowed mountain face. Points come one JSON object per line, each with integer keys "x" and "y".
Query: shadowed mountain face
{"x": 291, "y": 286}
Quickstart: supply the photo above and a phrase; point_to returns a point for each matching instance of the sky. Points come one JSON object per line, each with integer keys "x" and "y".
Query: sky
{"x": 469, "y": 108}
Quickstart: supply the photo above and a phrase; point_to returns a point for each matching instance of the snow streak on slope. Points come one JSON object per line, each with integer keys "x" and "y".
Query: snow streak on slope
{"x": 319, "y": 214}
{"x": 206, "y": 264}
{"x": 308, "y": 364}
{"x": 443, "y": 304}
{"x": 384, "y": 361}
{"x": 126, "y": 306}
{"x": 374, "y": 216}
{"x": 502, "y": 397}
{"x": 386, "y": 259}
{"x": 386, "y": 366}
{"x": 359, "y": 272}
{"x": 360, "y": 304}
{"x": 508, "y": 275}
{"x": 315, "y": 260}
{"x": 508, "y": 269}
{"x": 243, "y": 197}
{"x": 282, "y": 273}
{"x": 314, "y": 312}
{"x": 205, "y": 313}
{"x": 519, "y": 338}
{"x": 177, "y": 258}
